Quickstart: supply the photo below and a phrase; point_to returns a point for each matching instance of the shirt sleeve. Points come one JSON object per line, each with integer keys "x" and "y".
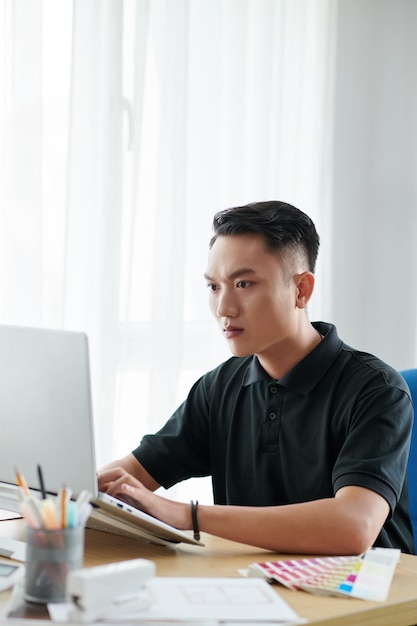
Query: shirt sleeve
{"x": 375, "y": 452}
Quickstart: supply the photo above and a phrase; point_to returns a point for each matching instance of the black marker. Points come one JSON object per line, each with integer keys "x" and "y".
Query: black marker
{"x": 42, "y": 484}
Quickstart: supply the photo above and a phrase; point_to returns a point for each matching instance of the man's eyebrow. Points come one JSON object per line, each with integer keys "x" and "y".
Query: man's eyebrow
{"x": 242, "y": 271}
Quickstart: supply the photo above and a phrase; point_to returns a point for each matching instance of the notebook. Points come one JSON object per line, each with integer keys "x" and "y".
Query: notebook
{"x": 46, "y": 418}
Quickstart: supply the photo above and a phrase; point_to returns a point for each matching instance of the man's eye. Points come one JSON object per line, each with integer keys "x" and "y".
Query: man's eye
{"x": 212, "y": 287}
{"x": 242, "y": 284}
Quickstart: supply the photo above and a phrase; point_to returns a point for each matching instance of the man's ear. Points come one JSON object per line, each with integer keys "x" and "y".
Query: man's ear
{"x": 305, "y": 287}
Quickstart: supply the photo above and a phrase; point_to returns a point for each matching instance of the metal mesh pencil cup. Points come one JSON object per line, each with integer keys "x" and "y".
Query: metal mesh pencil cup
{"x": 50, "y": 555}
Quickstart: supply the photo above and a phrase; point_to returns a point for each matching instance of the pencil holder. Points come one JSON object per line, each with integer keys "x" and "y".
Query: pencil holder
{"x": 50, "y": 555}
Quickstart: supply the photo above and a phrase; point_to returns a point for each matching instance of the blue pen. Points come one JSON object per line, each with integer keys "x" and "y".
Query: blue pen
{"x": 72, "y": 514}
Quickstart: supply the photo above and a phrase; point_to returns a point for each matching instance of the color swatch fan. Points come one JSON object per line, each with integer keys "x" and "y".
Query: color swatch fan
{"x": 367, "y": 576}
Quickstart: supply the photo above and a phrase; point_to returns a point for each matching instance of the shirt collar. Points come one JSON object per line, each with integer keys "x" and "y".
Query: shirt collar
{"x": 308, "y": 372}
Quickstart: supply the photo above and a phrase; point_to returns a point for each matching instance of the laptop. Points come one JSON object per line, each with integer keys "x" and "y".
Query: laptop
{"x": 46, "y": 419}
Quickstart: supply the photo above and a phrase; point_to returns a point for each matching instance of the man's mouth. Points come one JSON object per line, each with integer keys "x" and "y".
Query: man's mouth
{"x": 230, "y": 332}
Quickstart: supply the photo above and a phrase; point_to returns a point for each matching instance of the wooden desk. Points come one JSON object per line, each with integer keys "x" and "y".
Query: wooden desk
{"x": 223, "y": 558}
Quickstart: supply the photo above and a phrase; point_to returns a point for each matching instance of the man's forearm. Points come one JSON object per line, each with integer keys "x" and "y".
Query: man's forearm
{"x": 331, "y": 526}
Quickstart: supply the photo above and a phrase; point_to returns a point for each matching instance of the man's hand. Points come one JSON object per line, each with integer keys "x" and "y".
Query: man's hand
{"x": 132, "y": 466}
{"x": 119, "y": 483}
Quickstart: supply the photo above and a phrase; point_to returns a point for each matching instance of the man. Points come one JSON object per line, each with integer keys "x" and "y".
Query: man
{"x": 306, "y": 439}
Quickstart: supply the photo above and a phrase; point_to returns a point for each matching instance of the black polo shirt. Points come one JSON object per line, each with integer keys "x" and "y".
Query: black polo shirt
{"x": 339, "y": 417}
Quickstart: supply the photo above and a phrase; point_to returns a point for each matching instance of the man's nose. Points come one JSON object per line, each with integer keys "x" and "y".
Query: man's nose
{"x": 226, "y": 304}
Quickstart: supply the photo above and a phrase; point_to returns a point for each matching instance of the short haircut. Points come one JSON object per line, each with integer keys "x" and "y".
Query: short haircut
{"x": 283, "y": 227}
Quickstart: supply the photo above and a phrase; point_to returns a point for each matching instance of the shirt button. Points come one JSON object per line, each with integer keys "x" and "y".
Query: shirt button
{"x": 273, "y": 389}
{"x": 272, "y": 416}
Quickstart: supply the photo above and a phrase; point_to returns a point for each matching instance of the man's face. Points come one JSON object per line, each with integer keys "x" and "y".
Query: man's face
{"x": 252, "y": 295}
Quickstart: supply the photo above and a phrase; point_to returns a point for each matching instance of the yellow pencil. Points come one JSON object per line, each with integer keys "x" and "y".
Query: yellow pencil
{"x": 49, "y": 517}
{"x": 21, "y": 481}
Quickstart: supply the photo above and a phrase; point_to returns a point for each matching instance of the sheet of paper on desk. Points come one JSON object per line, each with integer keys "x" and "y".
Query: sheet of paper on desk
{"x": 5, "y": 515}
{"x": 207, "y": 601}
{"x": 217, "y": 599}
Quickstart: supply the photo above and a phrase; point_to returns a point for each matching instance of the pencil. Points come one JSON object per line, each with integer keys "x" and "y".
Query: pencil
{"x": 21, "y": 481}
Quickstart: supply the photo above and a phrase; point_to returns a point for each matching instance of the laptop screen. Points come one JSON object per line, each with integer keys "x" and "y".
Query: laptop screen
{"x": 45, "y": 411}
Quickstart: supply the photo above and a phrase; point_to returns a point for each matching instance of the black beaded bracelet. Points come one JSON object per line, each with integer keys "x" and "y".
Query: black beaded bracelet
{"x": 194, "y": 517}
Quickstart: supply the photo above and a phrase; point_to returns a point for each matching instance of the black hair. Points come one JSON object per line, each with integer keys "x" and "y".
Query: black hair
{"x": 283, "y": 226}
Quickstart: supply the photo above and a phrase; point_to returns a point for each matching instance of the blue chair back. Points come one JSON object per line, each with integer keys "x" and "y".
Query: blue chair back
{"x": 410, "y": 377}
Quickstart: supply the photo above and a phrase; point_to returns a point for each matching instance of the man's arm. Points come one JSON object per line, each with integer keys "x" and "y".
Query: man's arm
{"x": 349, "y": 523}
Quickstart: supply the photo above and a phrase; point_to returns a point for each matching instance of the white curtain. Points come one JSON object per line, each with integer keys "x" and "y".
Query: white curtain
{"x": 126, "y": 124}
